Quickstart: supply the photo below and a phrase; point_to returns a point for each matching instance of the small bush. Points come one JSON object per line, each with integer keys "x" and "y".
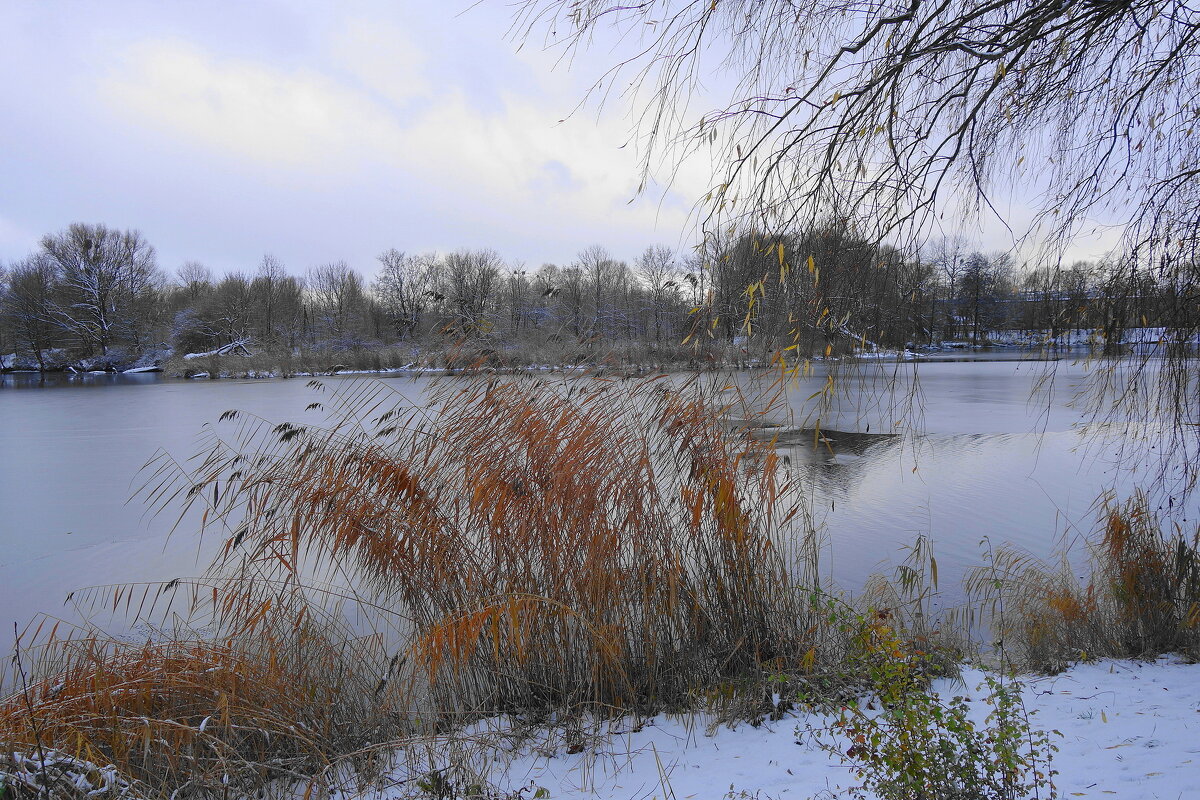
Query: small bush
{"x": 906, "y": 743}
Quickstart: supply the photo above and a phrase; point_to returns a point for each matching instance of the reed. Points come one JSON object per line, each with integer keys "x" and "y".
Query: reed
{"x": 1141, "y": 599}
{"x": 573, "y": 550}
{"x": 591, "y": 543}
{"x": 113, "y": 718}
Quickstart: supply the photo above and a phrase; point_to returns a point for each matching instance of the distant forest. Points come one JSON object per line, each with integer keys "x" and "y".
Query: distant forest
{"x": 96, "y": 298}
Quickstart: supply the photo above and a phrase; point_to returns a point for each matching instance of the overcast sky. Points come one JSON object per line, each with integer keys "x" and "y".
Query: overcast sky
{"x": 318, "y": 131}
{"x": 312, "y": 131}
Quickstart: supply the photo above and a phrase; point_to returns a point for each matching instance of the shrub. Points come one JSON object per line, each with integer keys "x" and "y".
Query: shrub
{"x": 906, "y": 743}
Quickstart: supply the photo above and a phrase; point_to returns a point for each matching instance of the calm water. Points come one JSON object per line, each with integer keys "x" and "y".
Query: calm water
{"x": 985, "y": 457}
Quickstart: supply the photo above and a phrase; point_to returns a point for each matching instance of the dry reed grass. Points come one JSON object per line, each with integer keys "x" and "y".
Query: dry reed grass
{"x": 1142, "y": 598}
{"x": 569, "y": 551}
{"x": 599, "y": 544}
{"x": 199, "y": 716}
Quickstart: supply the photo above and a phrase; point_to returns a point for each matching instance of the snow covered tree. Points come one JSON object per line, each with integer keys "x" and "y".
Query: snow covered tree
{"x": 104, "y": 278}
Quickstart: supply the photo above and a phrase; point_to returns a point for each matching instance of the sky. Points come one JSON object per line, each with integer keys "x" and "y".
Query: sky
{"x": 314, "y": 132}
{"x": 319, "y": 131}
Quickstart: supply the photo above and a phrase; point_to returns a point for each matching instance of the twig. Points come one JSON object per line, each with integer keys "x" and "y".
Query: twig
{"x": 37, "y": 734}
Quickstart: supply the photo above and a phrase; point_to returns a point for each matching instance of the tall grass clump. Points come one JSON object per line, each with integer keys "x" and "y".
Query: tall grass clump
{"x": 106, "y": 717}
{"x": 393, "y": 571}
{"x": 1142, "y": 597}
{"x": 539, "y": 546}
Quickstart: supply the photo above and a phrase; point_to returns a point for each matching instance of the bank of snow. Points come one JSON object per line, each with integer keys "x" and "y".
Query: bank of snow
{"x": 1129, "y": 730}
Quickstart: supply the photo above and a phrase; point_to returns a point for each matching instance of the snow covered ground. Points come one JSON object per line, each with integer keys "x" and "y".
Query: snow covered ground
{"x": 1129, "y": 730}
{"x": 1077, "y": 337}
{"x": 1123, "y": 729}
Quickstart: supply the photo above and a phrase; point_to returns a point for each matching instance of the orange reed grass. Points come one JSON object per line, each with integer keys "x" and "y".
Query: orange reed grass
{"x": 396, "y": 569}
{"x": 1142, "y": 597}
{"x": 544, "y": 545}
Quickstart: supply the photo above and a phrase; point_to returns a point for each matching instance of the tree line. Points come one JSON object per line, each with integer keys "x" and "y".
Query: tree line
{"x": 97, "y": 296}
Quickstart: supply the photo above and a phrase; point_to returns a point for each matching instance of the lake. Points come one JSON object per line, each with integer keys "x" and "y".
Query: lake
{"x": 987, "y": 451}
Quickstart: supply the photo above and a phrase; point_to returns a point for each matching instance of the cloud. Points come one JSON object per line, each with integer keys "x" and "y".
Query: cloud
{"x": 525, "y": 153}
{"x": 371, "y": 116}
{"x": 383, "y": 58}
{"x": 16, "y": 238}
{"x": 296, "y": 119}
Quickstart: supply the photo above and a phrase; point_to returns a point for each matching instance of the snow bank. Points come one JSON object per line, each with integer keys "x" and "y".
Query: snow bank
{"x": 1081, "y": 337}
{"x": 1129, "y": 730}
{"x": 884, "y": 355}
{"x": 238, "y": 348}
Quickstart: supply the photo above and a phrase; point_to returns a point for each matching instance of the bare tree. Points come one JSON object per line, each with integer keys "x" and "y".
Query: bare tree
{"x": 224, "y": 316}
{"x": 893, "y": 112}
{"x": 947, "y": 255}
{"x": 600, "y": 271}
{"x": 27, "y": 304}
{"x": 403, "y": 287}
{"x": 266, "y": 291}
{"x": 662, "y": 275}
{"x": 571, "y": 288}
{"x": 195, "y": 280}
{"x": 289, "y": 314}
{"x": 339, "y": 302}
{"x": 983, "y": 277}
{"x": 517, "y": 286}
{"x": 545, "y": 286}
{"x": 471, "y": 278}
{"x": 104, "y": 275}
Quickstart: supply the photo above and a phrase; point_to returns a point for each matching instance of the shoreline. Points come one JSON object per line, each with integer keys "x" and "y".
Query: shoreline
{"x": 608, "y": 368}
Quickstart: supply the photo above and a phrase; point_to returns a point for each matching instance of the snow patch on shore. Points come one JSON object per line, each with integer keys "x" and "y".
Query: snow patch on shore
{"x": 1129, "y": 730}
